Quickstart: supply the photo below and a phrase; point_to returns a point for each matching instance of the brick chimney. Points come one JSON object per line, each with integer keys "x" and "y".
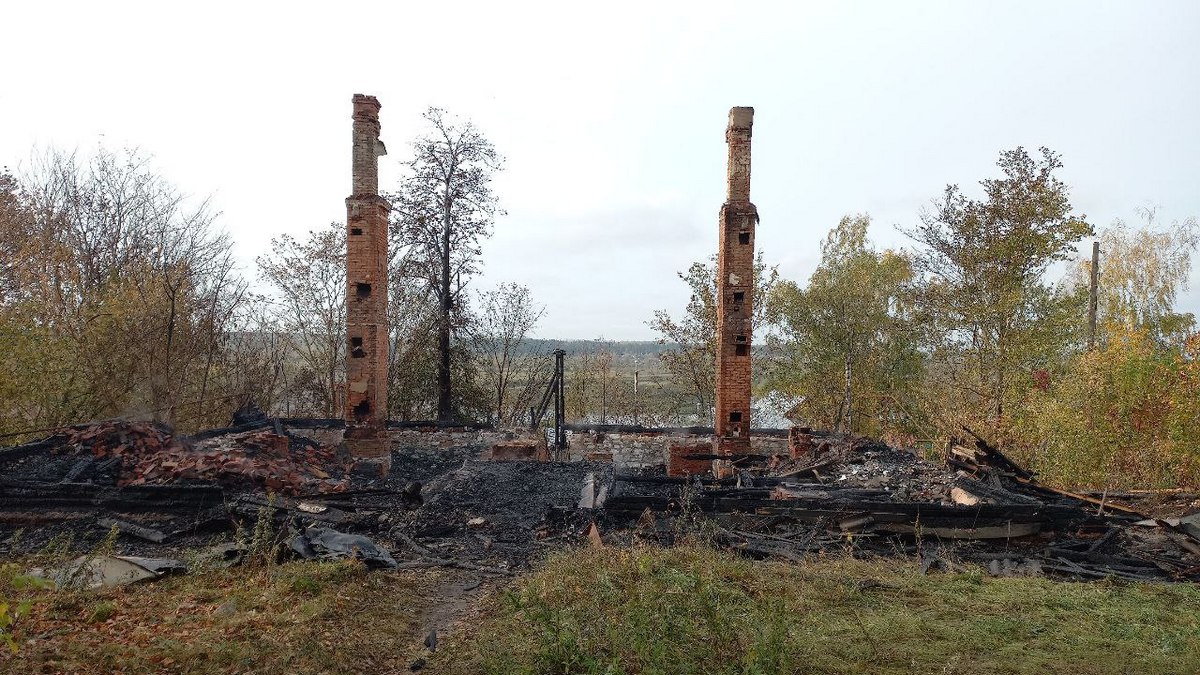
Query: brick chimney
{"x": 735, "y": 293}
{"x": 366, "y": 292}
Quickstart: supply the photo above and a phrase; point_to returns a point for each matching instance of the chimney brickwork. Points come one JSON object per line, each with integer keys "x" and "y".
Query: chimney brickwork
{"x": 735, "y": 293}
{"x": 366, "y": 295}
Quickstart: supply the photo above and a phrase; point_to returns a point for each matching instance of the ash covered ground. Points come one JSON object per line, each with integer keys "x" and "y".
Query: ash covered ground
{"x": 445, "y": 504}
{"x": 436, "y": 504}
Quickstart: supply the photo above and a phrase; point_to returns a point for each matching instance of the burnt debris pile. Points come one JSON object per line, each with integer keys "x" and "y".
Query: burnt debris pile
{"x": 851, "y": 494}
{"x": 441, "y": 504}
{"x": 450, "y": 499}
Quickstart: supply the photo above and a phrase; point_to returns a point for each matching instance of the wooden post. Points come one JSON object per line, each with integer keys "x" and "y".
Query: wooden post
{"x": 1094, "y": 295}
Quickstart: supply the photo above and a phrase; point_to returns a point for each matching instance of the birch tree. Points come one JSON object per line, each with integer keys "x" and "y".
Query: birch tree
{"x": 844, "y": 341}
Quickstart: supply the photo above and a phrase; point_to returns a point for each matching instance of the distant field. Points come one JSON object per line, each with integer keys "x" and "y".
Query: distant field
{"x": 618, "y": 348}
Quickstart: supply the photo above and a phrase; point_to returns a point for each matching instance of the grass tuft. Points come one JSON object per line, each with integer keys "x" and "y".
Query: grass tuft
{"x": 102, "y": 611}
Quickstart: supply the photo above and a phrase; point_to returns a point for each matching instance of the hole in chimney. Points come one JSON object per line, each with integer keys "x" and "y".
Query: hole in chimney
{"x": 740, "y": 350}
{"x": 356, "y": 230}
{"x": 356, "y": 348}
{"x": 363, "y": 291}
{"x": 739, "y": 296}
{"x": 743, "y": 237}
{"x": 740, "y": 338}
{"x": 735, "y": 416}
{"x": 362, "y": 410}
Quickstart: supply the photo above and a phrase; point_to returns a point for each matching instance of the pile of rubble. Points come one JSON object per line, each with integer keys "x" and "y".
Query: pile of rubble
{"x": 501, "y": 513}
{"x": 169, "y": 495}
{"x": 149, "y": 454}
{"x": 841, "y": 493}
{"x": 462, "y": 504}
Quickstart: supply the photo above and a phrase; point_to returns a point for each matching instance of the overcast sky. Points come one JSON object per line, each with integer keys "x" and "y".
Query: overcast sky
{"x": 612, "y": 115}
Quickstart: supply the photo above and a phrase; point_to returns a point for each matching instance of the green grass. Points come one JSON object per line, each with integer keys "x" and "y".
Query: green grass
{"x": 689, "y": 609}
{"x": 301, "y": 617}
{"x": 695, "y": 610}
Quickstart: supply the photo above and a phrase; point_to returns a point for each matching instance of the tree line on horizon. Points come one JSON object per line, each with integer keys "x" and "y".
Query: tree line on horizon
{"x": 119, "y": 297}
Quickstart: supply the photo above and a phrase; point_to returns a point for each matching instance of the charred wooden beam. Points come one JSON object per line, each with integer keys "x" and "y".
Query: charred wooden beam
{"x": 147, "y": 533}
{"x": 24, "y": 495}
{"x": 997, "y": 459}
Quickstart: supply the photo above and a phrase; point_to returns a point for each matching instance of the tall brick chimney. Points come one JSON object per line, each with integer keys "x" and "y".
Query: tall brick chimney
{"x": 735, "y": 293}
{"x": 366, "y": 293}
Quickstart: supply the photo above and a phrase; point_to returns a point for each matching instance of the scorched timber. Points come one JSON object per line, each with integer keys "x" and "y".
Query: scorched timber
{"x": 187, "y": 498}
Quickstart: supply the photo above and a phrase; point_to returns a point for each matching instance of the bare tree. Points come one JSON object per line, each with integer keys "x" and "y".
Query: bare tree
{"x": 692, "y": 362}
{"x": 442, "y": 210}
{"x": 128, "y": 282}
{"x": 535, "y": 371}
{"x": 595, "y": 390}
{"x": 412, "y": 354}
{"x": 193, "y": 280}
{"x": 254, "y": 361}
{"x": 581, "y": 371}
{"x": 309, "y": 278}
{"x": 506, "y": 315}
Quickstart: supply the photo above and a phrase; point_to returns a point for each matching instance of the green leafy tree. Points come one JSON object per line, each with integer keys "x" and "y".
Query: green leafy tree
{"x": 844, "y": 342}
{"x": 1127, "y": 416}
{"x": 990, "y": 317}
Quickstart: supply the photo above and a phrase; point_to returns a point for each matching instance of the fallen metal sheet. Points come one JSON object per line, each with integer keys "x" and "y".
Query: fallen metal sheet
{"x": 111, "y": 570}
{"x": 326, "y": 544}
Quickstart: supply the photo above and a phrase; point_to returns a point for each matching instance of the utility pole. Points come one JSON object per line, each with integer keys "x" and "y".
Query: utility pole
{"x": 1094, "y": 295}
{"x": 635, "y": 397}
{"x": 560, "y": 404}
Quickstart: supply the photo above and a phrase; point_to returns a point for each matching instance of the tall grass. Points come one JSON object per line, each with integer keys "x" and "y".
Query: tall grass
{"x": 692, "y": 609}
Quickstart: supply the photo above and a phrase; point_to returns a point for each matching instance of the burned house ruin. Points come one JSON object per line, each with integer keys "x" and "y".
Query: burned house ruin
{"x": 423, "y": 494}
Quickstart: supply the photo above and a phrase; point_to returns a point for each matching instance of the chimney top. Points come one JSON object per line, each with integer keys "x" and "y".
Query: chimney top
{"x": 741, "y": 118}
{"x": 364, "y": 103}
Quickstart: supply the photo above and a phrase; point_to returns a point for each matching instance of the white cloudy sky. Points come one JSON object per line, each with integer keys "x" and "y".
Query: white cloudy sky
{"x": 612, "y": 116}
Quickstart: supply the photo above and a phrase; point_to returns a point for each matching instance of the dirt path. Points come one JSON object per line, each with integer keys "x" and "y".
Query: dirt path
{"x": 447, "y": 606}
